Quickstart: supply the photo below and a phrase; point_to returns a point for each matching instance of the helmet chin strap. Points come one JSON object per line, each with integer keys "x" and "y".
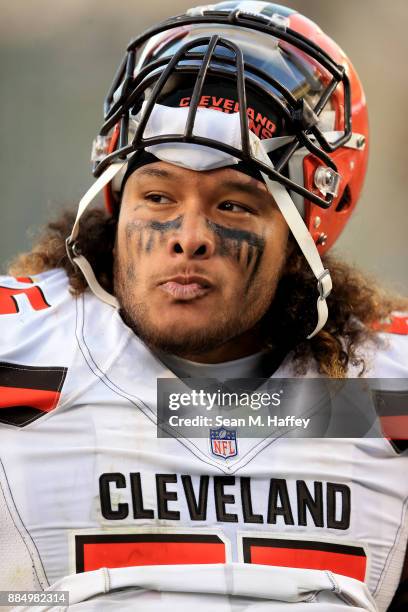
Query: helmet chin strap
{"x": 74, "y": 249}
{"x": 307, "y": 246}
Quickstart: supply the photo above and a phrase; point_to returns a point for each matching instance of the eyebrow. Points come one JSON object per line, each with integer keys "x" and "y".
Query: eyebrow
{"x": 248, "y": 188}
{"x": 155, "y": 172}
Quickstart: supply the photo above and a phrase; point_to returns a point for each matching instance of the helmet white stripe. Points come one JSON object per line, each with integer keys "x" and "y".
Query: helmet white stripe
{"x": 252, "y": 6}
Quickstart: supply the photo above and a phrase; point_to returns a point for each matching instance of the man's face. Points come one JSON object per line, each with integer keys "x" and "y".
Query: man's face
{"x": 197, "y": 259}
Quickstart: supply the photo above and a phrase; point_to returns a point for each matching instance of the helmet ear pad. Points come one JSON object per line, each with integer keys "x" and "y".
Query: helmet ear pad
{"x": 326, "y": 225}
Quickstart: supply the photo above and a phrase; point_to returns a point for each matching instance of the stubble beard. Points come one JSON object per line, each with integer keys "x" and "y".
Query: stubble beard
{"x": 179, "y": 340}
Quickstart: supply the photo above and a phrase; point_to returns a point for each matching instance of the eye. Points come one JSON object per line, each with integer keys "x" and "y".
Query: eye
{"x": 234, "y": 207}
{"x": 157, "y": 198}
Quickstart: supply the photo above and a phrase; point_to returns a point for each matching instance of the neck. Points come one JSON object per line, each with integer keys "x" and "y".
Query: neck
{"x": 244, "y": 345}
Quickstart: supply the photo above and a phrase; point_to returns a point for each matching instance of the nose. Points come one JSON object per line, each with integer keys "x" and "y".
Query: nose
{"x": 194, "y": 239}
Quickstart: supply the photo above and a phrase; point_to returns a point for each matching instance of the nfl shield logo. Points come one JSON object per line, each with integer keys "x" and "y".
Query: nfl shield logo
{"x": 223, "y": 442}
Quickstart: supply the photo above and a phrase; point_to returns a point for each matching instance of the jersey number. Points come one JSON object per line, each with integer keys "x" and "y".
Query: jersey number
{"x": 9, "y": 297}
{"x": 123, "y": 550}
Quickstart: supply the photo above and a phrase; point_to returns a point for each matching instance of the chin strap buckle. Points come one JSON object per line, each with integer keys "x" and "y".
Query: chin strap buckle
{"x": 73, "y": 250}
{"x": 324, "y": 285}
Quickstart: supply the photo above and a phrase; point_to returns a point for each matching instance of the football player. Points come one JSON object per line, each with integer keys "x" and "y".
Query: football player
{"x": 232, "y": 154}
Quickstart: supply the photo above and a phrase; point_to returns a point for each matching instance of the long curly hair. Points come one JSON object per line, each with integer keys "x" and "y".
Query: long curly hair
{"x": 355, "y": 305}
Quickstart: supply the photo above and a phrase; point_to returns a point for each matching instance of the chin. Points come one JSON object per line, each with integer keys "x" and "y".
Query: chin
{"x": 182, "y": 329}
{"x": 183, "y": 343}
{"x": 185, "y": 335}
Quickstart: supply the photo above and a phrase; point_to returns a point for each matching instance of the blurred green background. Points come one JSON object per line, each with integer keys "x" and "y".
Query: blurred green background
{"x": 57, "y": 60}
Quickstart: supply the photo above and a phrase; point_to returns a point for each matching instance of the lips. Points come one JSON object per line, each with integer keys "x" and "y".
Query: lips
{"x": 186, "y": 288}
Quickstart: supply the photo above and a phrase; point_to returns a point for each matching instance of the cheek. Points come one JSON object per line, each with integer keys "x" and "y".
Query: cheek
{"x": 135, "y": 239}
{"x": 123, "y": 242}
{"x": 126, "y": 251}
{"x": 138, "y": 251}
{"x": 275, "y": 252}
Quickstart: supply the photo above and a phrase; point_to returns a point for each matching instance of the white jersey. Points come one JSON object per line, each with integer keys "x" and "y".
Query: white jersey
{"x": 86, "y": 484}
